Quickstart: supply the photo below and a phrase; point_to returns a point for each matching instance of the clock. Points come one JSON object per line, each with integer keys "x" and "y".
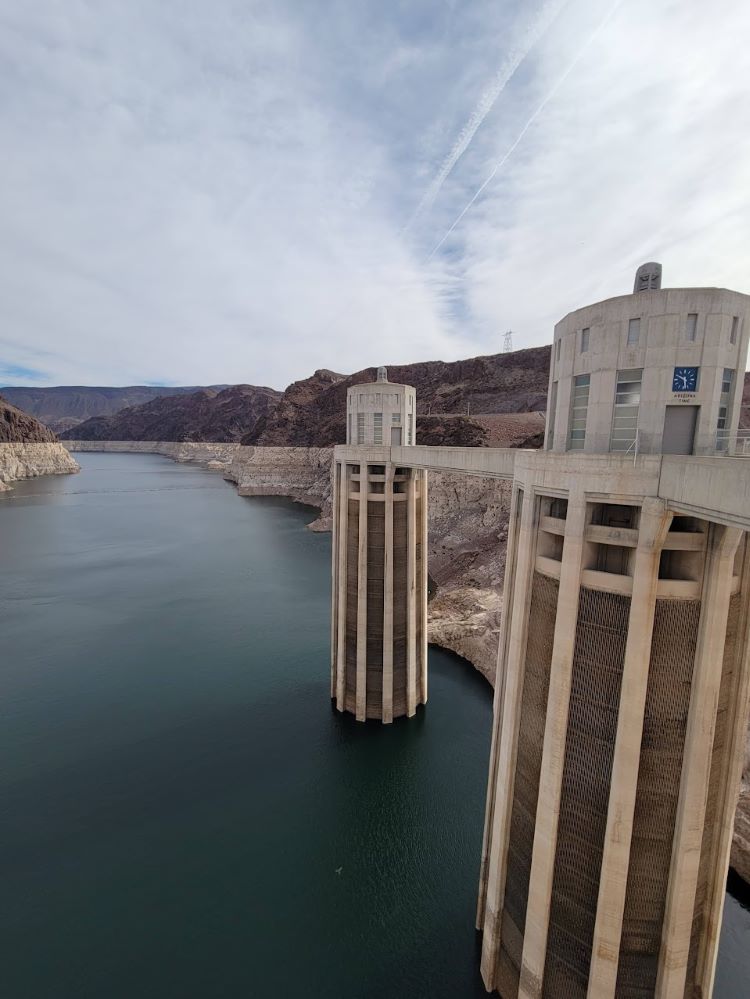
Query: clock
{"x": 685, "y": 380}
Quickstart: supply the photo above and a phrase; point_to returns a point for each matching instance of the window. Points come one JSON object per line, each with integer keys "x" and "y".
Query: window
{"x": 585, "y": 333}
{"x": 634, "y": 331}
{"x": 692, "y": 325}
{"x": 735, "y": 326}
{"x": 349, "y": 434}
{"x": 557, "y": 350}
{"x": 360, "y": 428}
{"x": 725, "y": 401}
{"x": 625, "y": 415}
{"x": 410, "y": 429}
{"x": 395, "y": 417}
{"x": 578, "y": 412}
{"x": 378, "y": 428}
{"x": 552, "y": 406}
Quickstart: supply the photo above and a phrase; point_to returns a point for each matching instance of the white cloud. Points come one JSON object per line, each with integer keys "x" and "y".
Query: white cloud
{"x": 207, "y": 193}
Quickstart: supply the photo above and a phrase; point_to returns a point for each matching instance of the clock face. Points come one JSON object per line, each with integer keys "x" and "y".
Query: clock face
{"x": 685, "y": 380}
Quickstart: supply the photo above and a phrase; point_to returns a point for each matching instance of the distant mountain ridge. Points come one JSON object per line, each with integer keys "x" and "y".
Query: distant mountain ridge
{"x": 17, "y": 427}
{"x": 497, "y": 400}
{"x": 205, "y": 415}
{"x": 312, "y": 411}
{"x": 63, "y": 406}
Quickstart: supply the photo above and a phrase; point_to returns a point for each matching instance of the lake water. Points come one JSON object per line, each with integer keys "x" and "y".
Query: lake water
{"x": 183, "y": 815}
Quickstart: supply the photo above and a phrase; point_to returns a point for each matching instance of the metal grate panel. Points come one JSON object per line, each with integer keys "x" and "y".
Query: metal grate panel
{"x": 665, "y": 720}
{"x": 598, "y": 657}
{"x": 721, "y": 733}
{"x": 542, "y": 614}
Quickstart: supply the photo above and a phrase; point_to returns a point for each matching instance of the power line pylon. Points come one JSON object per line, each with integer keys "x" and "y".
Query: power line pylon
{"x": 508, "y": 342}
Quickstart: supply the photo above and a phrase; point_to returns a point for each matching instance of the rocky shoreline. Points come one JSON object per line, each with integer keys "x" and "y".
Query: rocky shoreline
{"x": 468, "y": 523}
{"x": 29, "y": 460}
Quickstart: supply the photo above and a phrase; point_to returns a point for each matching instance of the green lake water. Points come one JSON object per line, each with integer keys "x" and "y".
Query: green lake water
{"x": 182, "y": 814}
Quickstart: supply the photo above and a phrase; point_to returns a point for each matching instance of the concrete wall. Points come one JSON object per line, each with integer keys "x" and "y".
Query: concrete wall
{"x": 663, "y": 345}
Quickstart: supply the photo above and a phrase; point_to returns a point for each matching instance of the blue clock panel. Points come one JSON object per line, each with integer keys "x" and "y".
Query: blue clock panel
{"x": 685, "y": 380}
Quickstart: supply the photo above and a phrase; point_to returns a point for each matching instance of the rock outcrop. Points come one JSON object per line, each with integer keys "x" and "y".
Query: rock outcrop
{"x": 740, "y": 856}
{"x": 27, "y": 461}
{"x": 203, "y": 416}
{"x": 202, "y": 453}
{"x": 28, "y": 448}
{"x": 17, "y": 427}
{"x": 312, "y": 412}
{"x": 301, "y": 473}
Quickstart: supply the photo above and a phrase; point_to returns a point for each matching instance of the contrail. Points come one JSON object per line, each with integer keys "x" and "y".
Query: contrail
{"x": 486, "y": 102}
{"x": 498, "y": 166}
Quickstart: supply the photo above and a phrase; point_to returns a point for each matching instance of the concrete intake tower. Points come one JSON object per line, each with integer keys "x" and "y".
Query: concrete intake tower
{"x": 623, "y": 676}
{"x": 622, "y": 681}
{"x": 379, "y": 619}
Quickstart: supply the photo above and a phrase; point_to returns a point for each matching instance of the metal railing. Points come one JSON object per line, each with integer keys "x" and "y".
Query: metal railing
{"x": 634, "y": 447}
{"x": 735, "y": 444}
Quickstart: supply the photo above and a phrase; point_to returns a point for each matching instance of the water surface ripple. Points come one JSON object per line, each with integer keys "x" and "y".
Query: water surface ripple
{"x": 183, "y": 815}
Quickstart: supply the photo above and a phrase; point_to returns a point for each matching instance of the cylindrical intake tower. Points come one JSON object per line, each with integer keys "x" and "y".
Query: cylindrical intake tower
{"x": 623, "y": 668}
{"x": 379, "y": 616}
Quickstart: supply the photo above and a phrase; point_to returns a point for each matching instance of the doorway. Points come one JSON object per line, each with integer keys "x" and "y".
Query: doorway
{"x": 679, "y": 429}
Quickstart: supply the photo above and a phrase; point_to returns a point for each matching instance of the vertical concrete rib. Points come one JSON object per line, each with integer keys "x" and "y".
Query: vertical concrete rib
{"x": 335, "y": 471}
{"x": 342, "y": 518}
{"x": 499, "y": 696}
{"x": 423, "y": 591}
{"x": 553, "y": 754}
{"x": 411, "y": 595}
{"x": 388, "y": 598}
{"x": 361, "y": 696}
{"x": 727, "y": 798}
{"x": 696, "y": 763}
{"x": 502, "y": 783}
{"x": 654, "y": 524}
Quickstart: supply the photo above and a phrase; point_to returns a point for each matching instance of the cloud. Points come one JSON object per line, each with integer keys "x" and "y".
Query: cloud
{"x": 644, "y": 153}
{"x": 220, "y": 192}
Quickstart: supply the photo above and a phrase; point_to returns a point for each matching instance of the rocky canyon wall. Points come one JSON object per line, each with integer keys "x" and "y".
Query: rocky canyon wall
{"x": 27, "y": 461}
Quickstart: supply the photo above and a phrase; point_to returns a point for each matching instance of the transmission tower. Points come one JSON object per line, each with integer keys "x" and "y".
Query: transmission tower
{"x": 508, "y": 342}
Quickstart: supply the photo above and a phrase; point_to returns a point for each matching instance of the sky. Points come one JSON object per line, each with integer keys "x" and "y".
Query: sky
{"x": 241, "y": 191}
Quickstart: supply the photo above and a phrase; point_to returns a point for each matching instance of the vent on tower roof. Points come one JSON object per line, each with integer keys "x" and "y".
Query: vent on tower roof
{"x": 382, "y": 374}
{"x": 648, "y": 277}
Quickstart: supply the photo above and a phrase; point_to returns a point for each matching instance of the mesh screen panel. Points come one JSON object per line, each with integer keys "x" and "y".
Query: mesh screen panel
{"x": 721, "y": 734}
{"x": 667, "y": 703}
{"x": 598, "y": 656}
{"x": 352, "y": 580}
{"x": 375, "y": 566}
{"x": 399, "y": 609}
{"x": 420, "y": 573}
{"x": 542, "y": 614}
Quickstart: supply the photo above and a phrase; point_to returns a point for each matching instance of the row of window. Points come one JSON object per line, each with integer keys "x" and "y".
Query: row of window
{"x": 634, "y": 333}
{"x": 380, "y": 399}
{"x": 625, "y": 411}
{"x": 378, "y": 428}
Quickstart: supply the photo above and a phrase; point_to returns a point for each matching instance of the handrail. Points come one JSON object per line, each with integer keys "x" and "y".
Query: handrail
{"x": 634, "y": 447}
